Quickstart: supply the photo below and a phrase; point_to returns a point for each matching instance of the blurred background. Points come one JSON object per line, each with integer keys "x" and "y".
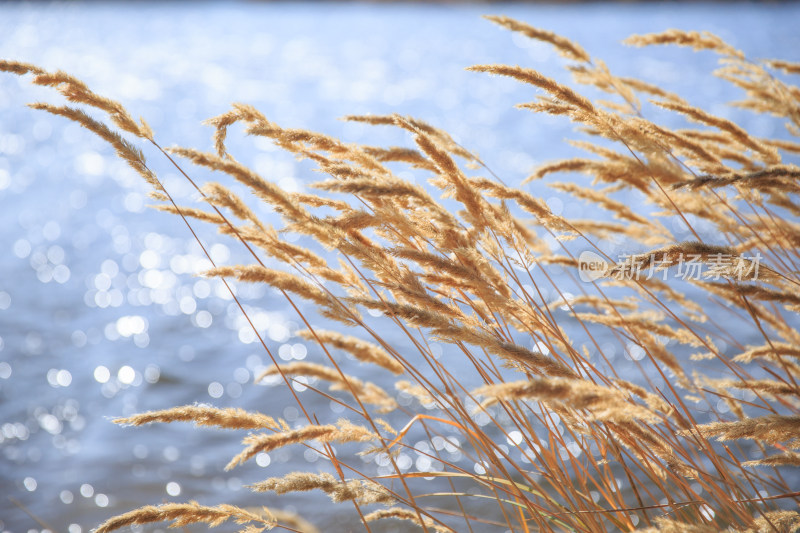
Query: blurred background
{"x": 101, "y": 313}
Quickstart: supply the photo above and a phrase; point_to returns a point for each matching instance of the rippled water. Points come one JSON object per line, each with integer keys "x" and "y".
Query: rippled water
{"x": 100, "y": 314}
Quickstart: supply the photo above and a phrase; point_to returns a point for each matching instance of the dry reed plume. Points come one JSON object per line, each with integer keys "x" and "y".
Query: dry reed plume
{"x": 525, "y": 409}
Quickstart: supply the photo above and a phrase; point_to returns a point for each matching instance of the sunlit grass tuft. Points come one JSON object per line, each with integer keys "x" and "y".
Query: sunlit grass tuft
{"x": 525, "y": 422}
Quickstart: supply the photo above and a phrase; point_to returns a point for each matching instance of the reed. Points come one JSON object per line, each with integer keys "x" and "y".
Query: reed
{"x": 524, "y": 423}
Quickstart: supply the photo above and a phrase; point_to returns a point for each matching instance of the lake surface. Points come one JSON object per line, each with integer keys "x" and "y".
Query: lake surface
{"x": 100, "y": 313}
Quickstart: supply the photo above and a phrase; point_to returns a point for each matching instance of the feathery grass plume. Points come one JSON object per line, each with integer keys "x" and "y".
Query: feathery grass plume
{"x": 676, "y": 254}
{"x": 771, "y": 351}
{"x": 783, "y": 459}
{"x": 419, "y": 392}
{"x": 648, "y": 287}
{"x": 435, "y": 262}
{"x": 564, "y": 46}
{"x": 759, "y": 312}
{"x": 400, "y": 154}
{"x": 304, "y": 143}
{"x": 642, "y": 322}
{"x": 442, "y": 328}
{"x": 192, "y": 212}
{"x": 203, "y": 415}
{"x": 568, "y": 438}
{"x": 221, "y": 196}
{"x": 720, "y": 145}
{"x": 240, "y": 112}
{"x": 667, "y": 525}
{"x": 772, "y": 429}
{"x": 647, "y": 136}
{"x": 780, "y": 520}
{"x": 781, "y": 177}
{"x": 786, "y": 66}
{"x": 562, "y": 93}
{"x": 184, "y": 514}
{"x": 399, "y": 513}
{"x": 768, "y": 153}
{"x": 302, "y": 259}
{"x": 696, "y": 40}
{"x": 654, "y": 402}
{"x": 286, "y": 282}
{"x": 442, "y": 137}
{"x": 289, "y": 519}
{"x": 368, "y": 187}
{"x": 653, "y": 90}
{"x": 266, "y": 442}
{"x": 602, "y": 199}
{"x": 598, "y": 75}
{"x": 603, "y": 402}
{"x": 366, "y": 392}
{"x": 77, "y": 91}
{"x": 448, "y": 170}
{"x": 566, "y": 165}
{"x": 361, "y": 350}
{"x": 364, "y": 491}
{"x": 124, "y": 149}
{"x": 269, "y": 192}
{"x": 19, "y": 68}
{"x": 764, "y": 387}
{"x": 528, "y": 202}
{"x": 787, "y": 297}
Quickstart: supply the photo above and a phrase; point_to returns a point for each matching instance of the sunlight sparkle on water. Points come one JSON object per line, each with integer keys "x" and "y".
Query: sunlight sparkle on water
{"x": 101, "y": 374}
{"x": 126, "y": 375}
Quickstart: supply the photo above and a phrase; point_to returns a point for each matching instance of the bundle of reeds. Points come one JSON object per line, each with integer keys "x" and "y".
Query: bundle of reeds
{"x": 552, "y": 435}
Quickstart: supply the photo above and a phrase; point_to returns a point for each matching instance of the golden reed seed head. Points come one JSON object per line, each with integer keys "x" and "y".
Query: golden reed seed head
{"x": 202, "y": 415}
{"x": 469, "y": 261}
{"x": 564, "y": 46}
{"x": 184, "y": 514}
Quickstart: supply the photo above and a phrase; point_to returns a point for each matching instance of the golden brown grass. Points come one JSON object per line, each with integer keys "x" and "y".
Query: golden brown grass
{"x": 549, "y": 431}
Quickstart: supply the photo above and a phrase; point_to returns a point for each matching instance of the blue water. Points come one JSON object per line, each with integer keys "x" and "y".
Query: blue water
{"x": 100, "y": 314}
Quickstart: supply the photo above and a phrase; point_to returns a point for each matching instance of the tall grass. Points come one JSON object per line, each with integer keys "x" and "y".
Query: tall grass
{"x": 526, "y": 422}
